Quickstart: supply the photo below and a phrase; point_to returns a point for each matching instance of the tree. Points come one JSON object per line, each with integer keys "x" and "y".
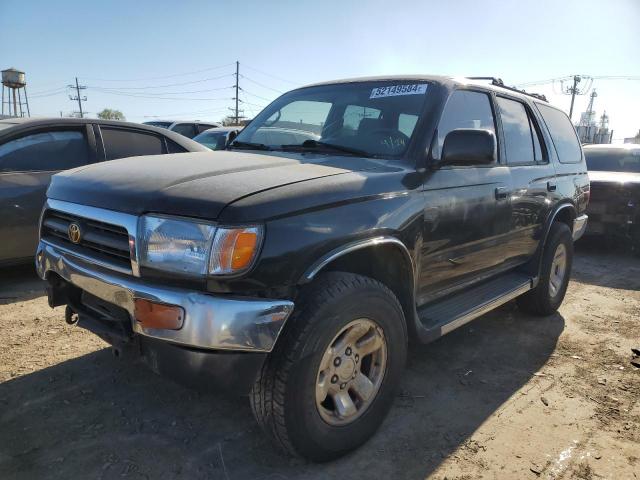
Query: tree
{"x": 109, "y": 114}
{"x": 230, "y": 120}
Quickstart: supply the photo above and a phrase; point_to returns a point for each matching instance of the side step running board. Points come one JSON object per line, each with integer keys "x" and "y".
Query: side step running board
{"x": 445, "y": 315}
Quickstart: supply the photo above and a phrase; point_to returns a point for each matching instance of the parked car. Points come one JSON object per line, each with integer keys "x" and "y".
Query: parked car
{"x": 32, "y": 150}
{"x": 188, "y": 129}
{"x": 298, "y": 272}
{"x": 614, "y": 208}
{"x": 217, "y": 138}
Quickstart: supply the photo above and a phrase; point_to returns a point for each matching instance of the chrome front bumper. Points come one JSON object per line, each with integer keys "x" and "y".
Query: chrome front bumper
{"x": 211, "y": 322}
{"x": 579, "y": 226}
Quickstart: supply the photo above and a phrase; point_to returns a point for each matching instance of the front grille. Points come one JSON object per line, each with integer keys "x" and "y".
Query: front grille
{"x": 610, "y": 199}
{"x": 103, "y": 242}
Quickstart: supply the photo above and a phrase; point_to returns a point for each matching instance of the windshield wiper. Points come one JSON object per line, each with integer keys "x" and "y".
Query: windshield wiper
{"x": 249, "y": 145}
{"x": 317, "y": 145}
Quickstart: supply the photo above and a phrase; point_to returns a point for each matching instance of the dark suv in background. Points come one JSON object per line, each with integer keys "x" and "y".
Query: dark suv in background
{"x": 33, "y": 149}
{"x": 400, "y": 207}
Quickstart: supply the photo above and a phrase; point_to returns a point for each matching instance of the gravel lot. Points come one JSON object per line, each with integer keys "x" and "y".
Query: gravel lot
{"x": 508, "y": 396}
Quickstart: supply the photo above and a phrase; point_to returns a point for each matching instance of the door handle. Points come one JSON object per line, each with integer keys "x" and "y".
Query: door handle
{"x": 551, "y": 187}
{"x": 501, "y": 193}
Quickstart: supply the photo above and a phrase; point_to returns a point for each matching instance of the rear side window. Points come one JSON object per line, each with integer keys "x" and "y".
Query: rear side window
{"x": 120, "y": 143}
{"x": 464, "y": 109}
{"x": 45, "y": 151}
{"x": 521, "y": 139}
{"x": 202, "y": 127}
{"x": 562, "y": 134}
{"x": 173, "y": 147}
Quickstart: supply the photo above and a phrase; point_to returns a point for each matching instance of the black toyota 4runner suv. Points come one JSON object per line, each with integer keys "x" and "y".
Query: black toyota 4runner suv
{"x": 346, "y": 219}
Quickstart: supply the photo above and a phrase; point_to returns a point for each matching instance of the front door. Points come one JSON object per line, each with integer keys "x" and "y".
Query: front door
{"x": 467, "y": 209}
{"x": 27, "y": 163}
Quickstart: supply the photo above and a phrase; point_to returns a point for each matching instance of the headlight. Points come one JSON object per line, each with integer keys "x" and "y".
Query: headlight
{"x": 190, "y": 247}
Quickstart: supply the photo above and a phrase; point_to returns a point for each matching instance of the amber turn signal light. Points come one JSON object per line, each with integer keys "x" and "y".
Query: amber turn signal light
{"x": 158, "y": 315}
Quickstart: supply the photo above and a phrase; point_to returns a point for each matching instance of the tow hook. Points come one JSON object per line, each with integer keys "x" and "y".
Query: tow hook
{"x": 70, "y": 316}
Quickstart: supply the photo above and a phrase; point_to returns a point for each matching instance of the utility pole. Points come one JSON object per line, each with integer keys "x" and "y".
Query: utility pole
{"x": 237, "y": 88}
{"x": 78, "y": 97}
{"x": 573, "y": 91}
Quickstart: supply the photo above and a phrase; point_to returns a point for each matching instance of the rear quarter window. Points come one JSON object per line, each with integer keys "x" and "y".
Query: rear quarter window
{"x": 562, "y": 134}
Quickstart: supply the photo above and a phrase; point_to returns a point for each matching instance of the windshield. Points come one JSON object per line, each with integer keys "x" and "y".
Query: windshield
{"x": 613, "y": 160}
{"x": 366, "y": 118}
{"x": 213, "y": 140}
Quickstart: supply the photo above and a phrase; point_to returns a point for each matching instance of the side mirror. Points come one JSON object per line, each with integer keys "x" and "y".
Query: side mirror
{"x": 469, "y": 146}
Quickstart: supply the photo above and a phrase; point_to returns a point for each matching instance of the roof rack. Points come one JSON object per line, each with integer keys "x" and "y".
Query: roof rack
{"x": 499, "y": 83}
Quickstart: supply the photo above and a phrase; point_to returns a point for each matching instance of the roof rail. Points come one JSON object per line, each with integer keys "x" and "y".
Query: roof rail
{"x": 499, "y": 83}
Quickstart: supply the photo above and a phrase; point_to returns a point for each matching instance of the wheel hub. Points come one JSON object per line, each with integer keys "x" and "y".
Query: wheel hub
{"x": 558, "y": 270}
{"x": 346, "y": 370}
{"x": 351, "y": 372}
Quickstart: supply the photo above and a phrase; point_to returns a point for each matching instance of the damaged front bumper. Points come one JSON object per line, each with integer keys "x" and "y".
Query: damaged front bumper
{"x": 211, "y": 322}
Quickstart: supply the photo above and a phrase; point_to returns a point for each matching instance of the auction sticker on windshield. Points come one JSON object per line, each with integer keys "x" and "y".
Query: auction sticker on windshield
{"x": 395, "y": 90}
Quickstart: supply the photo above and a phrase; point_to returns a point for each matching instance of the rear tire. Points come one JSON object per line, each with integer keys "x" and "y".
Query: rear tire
{"x": 337, "y": 316}
{"x": 557, "y": 260}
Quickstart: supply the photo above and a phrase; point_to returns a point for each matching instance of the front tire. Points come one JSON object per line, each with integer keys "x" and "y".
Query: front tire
{"x": 557, "y": 260}
{"x": 332, "y": 377}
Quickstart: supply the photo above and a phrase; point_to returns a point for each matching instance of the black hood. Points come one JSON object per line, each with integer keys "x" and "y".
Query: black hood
{"x": 189, "y": 184}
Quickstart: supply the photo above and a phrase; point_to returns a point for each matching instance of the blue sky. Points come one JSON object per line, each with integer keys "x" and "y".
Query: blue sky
{"x": 126, "y": 51}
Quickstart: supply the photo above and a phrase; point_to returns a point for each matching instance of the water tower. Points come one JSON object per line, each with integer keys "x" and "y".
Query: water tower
{"x": 15, "y": 86}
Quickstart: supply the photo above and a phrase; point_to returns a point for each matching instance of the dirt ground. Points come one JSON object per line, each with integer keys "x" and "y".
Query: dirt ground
{"x": 507, "y": 396}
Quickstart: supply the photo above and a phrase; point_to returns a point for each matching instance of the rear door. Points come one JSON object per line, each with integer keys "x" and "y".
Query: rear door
{"x": 27, "y": 162}
{"x": 533, "y": 177}
{"x": 467, "y": 210}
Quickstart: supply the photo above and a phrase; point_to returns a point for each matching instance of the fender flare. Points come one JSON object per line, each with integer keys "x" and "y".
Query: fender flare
{"x": 345, "y": 249}
{"x": 537, "y": 258}
{"x": 552, "y": 216}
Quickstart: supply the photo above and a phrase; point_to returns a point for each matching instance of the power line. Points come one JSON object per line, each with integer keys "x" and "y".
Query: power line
{"x": 48, "y": 91}
{"x": 136, "y": 95}
{"x": 112, "y": 90}
{"x": 617, "y": 77}
{"x": 57, "y": 92}
{"x": 147, "y": 87}
{"x": 270, "y": 75}
{"x": 568, "y": 77}
{"x": 160, "y": 77}
{"x": 210, "y": 110}
{"x": 542, "y": 82}
{"x": 257, "y": 96}
{"x": 261, "y": 84}
{"x": 252, "y": 104}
